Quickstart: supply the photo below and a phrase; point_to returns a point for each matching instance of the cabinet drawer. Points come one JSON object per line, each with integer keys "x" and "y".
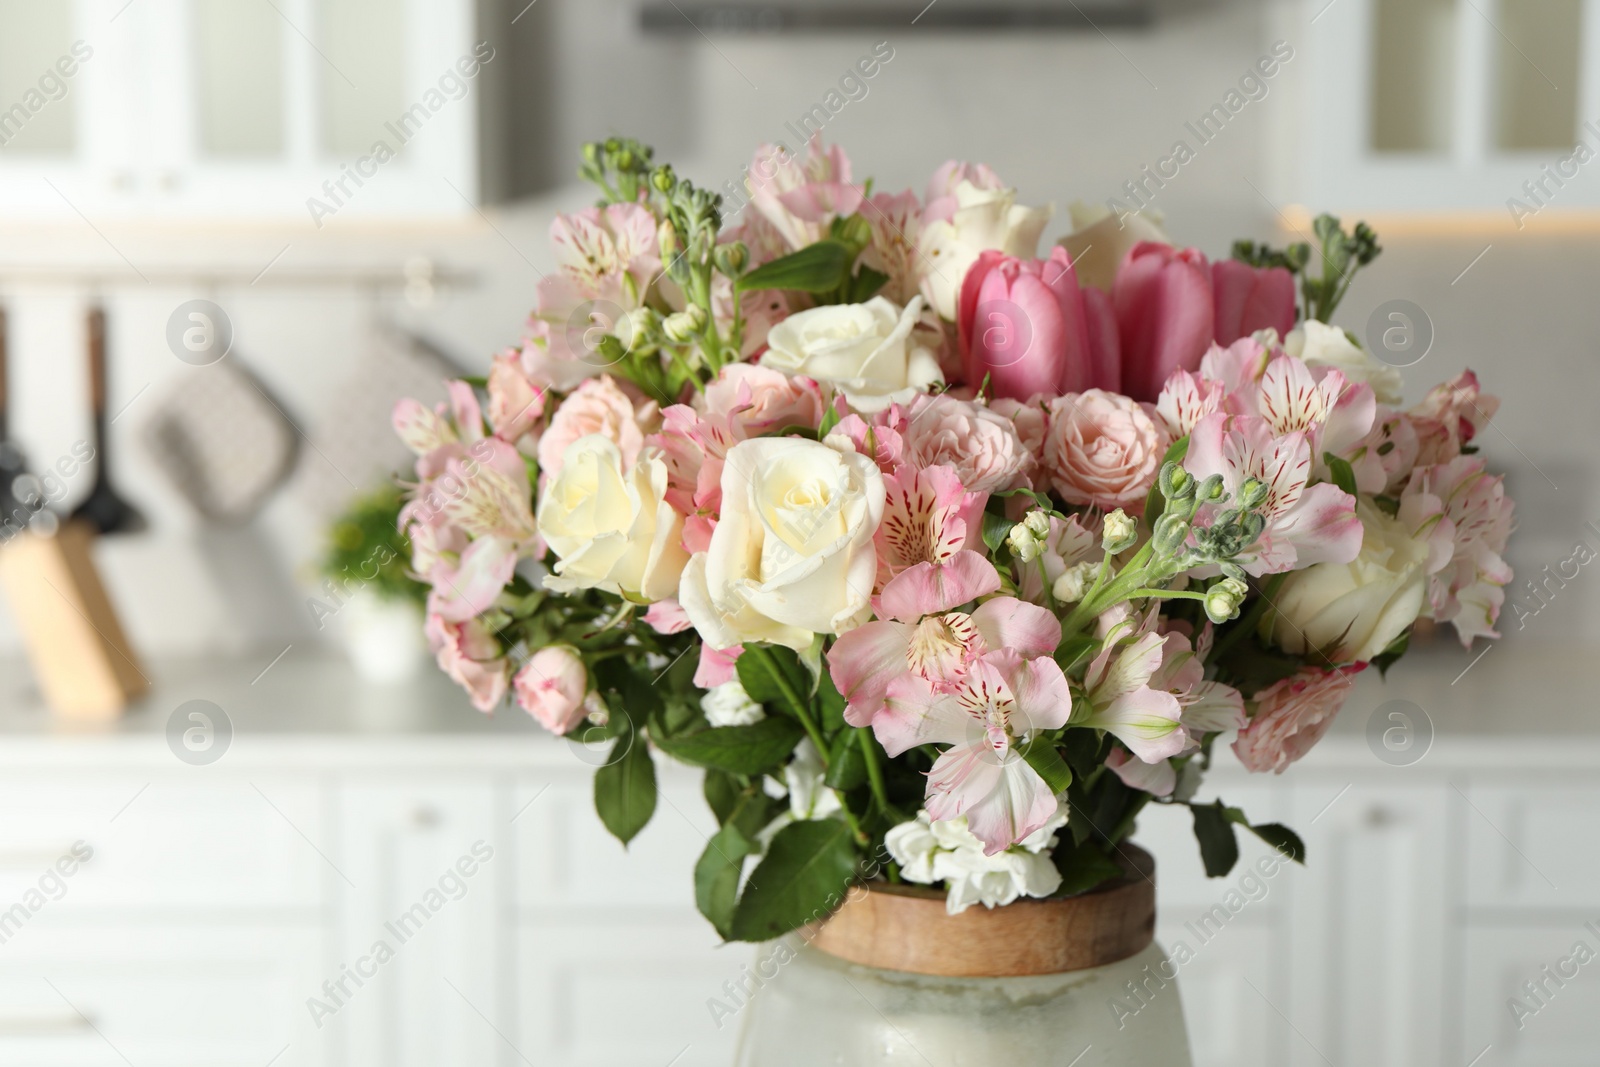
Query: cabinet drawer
{"x": 191, "y": 995}
{"x": 566, "y": 857}
{"x": 573, "y": 978}
{"x": 1533, "y": 845}
{"x": 164, "y": 843}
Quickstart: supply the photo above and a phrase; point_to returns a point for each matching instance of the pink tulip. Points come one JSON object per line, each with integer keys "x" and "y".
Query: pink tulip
{"x": 1028, "y": 327}
{"x": 1162, "y": 299}
{"x": 1246, "y": 299}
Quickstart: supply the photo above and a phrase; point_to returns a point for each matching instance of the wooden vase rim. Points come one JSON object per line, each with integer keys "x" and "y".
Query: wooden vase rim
{"x": 906, "y": 928}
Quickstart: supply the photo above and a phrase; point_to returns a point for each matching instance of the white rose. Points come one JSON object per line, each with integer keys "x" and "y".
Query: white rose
{"x": 729, "y": 705}
{"x": 984, "y": 219}
{"x": 612, "y": 529}
{"x": 792, "y": 555}
{"x": 1100, "y": 239}
{"x": 1321, "y": 345}
{"x": 1353, "y": 611}
{"x": 864, "y": 350}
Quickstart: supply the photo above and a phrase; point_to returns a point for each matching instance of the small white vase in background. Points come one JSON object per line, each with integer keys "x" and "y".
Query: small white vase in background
{"x": 382, "y": 637}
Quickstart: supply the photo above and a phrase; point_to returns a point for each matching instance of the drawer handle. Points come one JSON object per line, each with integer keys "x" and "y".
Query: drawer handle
{"x": 35, "y": 1025}
{"x": 33, "y": 858}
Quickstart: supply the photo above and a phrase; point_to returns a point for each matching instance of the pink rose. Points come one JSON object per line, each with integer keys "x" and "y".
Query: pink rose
{"x": 1026, "y": 326}
{"x": 1165, "y": 315}
{"x": 1450, "y": 416}
{"x": 753, "y": 401}
{"x": 551, "y": 687}
{"x": 1102, "y": 449}
{"x": 515, "y": 401}
{"x": 1291, "y": 716}
{"x": 1246, "y": 299}
{"x": 470, "y": 655}
{"x": 599, "y": 406}
{"x": 981, "y": 445}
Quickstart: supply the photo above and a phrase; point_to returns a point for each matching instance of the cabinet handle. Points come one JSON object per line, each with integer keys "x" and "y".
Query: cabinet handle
{"x": 36, "y": 1025}
{"x": 1379, "y": 816}
{"x": 425, "y": 816}
{"x": 32, "y": 858}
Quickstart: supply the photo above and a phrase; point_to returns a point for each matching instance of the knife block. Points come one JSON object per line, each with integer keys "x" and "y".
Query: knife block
{"x": 80, "y": 656}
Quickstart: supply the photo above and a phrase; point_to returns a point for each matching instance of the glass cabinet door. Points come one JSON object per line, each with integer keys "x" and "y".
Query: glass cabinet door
{"x": 37, "y": 111}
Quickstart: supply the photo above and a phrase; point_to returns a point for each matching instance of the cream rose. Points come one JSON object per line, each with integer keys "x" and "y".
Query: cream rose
{"x": 864, "y": 350}
{"x": 983, "y": 219}
{"x": 1321, "y": 345}
{"x": 611, "y": 527}
{"x": 1100, "y": 240}
{"x": 1353, "y": 611}
{"x": 792, "y": 555}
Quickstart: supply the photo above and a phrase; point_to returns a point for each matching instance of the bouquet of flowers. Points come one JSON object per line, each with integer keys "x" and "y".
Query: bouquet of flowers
{"x": 942, "y": 560}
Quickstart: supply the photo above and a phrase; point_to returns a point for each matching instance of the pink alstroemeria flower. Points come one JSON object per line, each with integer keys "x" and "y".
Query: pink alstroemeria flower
{"x": 1127, "y": 697}
{"x": 801, "y": 198}
{"x": 1001, "y": 699}
{"x": 1305, "y": 524}
{"x": 932, "y": 647}
{"x": 1335, "y": 414}
{"x": 929, "y": 522}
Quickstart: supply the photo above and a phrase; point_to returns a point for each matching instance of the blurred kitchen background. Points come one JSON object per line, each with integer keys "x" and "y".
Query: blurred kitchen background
{"x": 203, "y": 150}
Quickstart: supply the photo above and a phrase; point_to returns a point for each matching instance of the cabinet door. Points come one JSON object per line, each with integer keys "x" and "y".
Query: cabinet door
{"x": 1551, "y": 1026}
{"x": 1368, "y": 928}
{"x": 417, "y": 978}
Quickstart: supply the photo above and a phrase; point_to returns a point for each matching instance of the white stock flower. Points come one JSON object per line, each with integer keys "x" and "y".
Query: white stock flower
{"x": 929, "y": 851}
{"x": 1321, "y": 345}
{"x": 612, "y": 529}
{"x": 808, "y": 797}
{"x": 729, "y": 705}
{"x": 792, "y": 555}
{"x": 983, "y": 219}
{"x": 866, "y": 351}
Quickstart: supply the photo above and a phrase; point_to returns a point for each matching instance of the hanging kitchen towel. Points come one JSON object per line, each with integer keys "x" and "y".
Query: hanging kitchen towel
{"x": 222, "y": 440}
{"x": 354, "y": 447}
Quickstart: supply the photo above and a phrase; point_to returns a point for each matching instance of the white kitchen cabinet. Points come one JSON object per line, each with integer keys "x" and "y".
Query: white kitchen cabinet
{"x": 221, "y": 108}
{"x": 1374, "y": 912}
{"x": 220, "y": 899}
{"x": 421, "y": 871}
{"x": 1441, "y": 106}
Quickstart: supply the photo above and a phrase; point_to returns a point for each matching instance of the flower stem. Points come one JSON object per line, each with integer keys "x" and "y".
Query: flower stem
{"x": 874, "y": 772}
{"x": 797, "y": 704}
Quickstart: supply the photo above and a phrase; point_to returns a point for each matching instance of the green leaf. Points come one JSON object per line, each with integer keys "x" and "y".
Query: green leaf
{"x": 865, "y": 285}
{"x": 830, "y": 705}
{"x": 847, "y": 767}
{"x": 830, "y": 419}
{"x": 1048, "y": 764}
{"x": 1219, "y": 848}
{"x": 816, "y": 268}
{"x": 774, "y": 676}
{"x": 722, "y": 792}
{"x": 716, "y": 876}
{"x": 1392, "y": 653}
{"x": 1281, "y": 838}
{"x": 1083, "y": 866}
{"x": 1343, "y": 476}
{"x": 625, "y": 788}
{"x": 995, "y": 530}
{"x": 1156, "y": 502}
{"x": 804, "y": 876}
{"x": 748, "y": 750}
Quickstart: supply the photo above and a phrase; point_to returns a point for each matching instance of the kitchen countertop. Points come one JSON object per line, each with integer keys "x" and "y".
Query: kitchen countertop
{"x": 1519, "y": 706}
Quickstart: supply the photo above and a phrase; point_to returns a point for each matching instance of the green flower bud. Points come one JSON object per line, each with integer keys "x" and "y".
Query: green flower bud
{"x": 1224, "y": 598}
{"x": 1170, "y": 533}
{"x": 1121, "y": 532}
{"x": 684, "y": 324}
{"x": 662, "y": 178}
{"x": 1210, "y": 490}
{"x": 1252, "y": 494}
{"x": 1176, "y": 483}
{"x": 730, "y": 259}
